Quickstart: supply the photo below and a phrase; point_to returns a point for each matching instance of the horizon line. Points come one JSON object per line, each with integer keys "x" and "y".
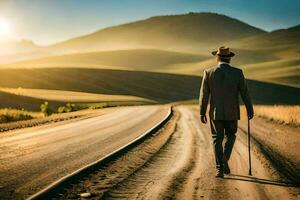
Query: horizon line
{"x": 138, "y": 20}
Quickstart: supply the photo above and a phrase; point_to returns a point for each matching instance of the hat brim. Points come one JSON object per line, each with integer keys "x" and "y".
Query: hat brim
{"x": 215, "y": 53}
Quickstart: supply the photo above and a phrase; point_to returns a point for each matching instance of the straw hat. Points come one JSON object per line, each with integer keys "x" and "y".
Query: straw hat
{"x": 223, "y": 52}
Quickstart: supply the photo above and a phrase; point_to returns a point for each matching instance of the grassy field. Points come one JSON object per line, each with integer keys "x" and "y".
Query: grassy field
{"x": 136, "y": 59}
{"x": 158, "y": 87}
{"x": 71, "y": 96}
{"x": 21, "y": 102}
{"x": 256, "y": 64}
{"x": 259, "y": 64}
{"x": 271, "y": 40}
{"x": 154, "y": 86}
{"x": 141, "y": 59}
{"x": 284, "y": 114}
{"x": 284, "y": 71}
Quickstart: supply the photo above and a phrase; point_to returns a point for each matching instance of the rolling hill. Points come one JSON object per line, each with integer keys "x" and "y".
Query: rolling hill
{"x": 187, "y": 32}
{"x": 278, "y": 40}
{"x": 70, "y": 96}
{"x": 271, "y": 57}
{"x": 193, "y": 32}
{"x": 152, "y": 59}
{"x": 137, "y": 59}
{"x": 256, "y": 65}
{"x": 284, "y": 46}
{"x": 158, "y": 87}
{"x": 259, "y": 64}
{"x": 22, "y": 102}
{"x": 154, "y": 86}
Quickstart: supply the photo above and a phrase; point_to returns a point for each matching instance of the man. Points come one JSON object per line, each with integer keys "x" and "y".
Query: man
{"x": 222, "y": 85}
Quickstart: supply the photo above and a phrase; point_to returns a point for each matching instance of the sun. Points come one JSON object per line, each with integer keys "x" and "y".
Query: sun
{"x": 5, "y": 29}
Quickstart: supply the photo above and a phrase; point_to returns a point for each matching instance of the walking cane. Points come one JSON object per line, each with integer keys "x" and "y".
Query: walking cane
{"x": 250, "y": 170}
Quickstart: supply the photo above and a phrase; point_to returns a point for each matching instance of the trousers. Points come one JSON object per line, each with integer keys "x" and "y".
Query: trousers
{"x": 219, "y": 128}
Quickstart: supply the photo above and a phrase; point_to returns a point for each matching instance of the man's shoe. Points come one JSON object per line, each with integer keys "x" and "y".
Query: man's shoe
{"x": 220, "y": 174}
{"x": 225, "y": 165}
{"x": 226, "y": 168}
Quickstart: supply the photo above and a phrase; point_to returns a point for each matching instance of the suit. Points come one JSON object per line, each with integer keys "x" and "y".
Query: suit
{"x": 221, "y": 87}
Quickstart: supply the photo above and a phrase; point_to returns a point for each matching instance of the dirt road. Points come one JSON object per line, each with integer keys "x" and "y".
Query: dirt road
{"x": 178, "y": 163}
{"x": 33, "y": 158}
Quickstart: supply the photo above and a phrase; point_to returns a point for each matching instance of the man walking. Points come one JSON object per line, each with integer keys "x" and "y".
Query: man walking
{"x": 221, "y": 85}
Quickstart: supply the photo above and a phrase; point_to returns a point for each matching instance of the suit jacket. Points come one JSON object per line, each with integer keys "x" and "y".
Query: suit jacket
{"x": 221, "y": 86}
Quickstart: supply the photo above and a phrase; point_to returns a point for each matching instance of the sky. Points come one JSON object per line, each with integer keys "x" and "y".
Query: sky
{"x": 50, "y": 21}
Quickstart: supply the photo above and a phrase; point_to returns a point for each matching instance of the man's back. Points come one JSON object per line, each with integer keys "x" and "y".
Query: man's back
{"x": 223, "y": 85}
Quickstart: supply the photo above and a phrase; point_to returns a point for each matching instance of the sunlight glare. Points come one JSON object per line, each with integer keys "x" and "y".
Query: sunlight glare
{"x": 5, "y": 29}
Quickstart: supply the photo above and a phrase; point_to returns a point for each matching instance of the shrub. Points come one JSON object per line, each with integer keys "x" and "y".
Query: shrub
{"x": 67, "y": 108}
{"x": 45, "y": 108}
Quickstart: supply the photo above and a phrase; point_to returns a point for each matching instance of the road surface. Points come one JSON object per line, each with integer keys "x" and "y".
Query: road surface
{"x": 178, "y": 163}
{"x": 33, "y": 158}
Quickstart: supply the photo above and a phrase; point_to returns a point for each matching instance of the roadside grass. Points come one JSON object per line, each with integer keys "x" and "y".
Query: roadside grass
{"x": 12, "y": 115}
{"x": 284, "y": 114}
{"x": 280, "y": 113}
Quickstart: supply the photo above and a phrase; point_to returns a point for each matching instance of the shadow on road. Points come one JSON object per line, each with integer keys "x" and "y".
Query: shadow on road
{"x": 260, "y": 180}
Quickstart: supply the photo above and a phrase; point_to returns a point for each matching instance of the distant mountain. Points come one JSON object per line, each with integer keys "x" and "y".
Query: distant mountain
{"x": 174, "y": 32}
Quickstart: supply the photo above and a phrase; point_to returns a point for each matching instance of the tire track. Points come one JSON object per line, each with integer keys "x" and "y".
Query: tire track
{"x": 201, "y": 183}
{"x": 264, "y": 184}
{"x": 163, "y": 175}
{"x": 287, "y": 165}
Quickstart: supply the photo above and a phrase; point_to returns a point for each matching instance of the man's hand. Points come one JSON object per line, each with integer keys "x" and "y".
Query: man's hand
{"x": 203, "y": 119}
{"x": 250, "y": 116}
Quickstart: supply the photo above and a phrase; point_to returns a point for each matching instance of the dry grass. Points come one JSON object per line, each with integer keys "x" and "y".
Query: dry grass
{"x": 74, "y": 85}
{"x": 283, "y": 114}
{"x": 114, "y": 85}
{"x": 71, "y": 96}
{"x": 135, "y": 59}
{"x": 11, "y": 115}
{"x": 289, "y": 115}
{"x": 258, "y": 64}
